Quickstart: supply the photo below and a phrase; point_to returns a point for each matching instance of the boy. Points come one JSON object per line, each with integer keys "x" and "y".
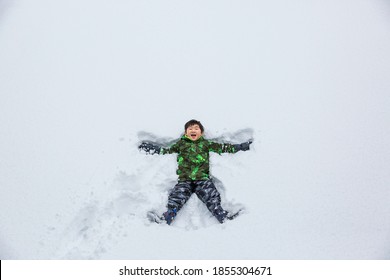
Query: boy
{"x": 193, "y": 170}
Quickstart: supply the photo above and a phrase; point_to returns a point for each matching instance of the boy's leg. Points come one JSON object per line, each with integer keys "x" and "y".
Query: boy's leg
{"x": 208, "y": 194}
{"x": 178, "y": 196}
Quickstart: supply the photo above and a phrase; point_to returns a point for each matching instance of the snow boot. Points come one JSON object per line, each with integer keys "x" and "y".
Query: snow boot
{"x": 170, "y": 215}
{"x": 231, "y": 216}
{"x": 221, "y": 216}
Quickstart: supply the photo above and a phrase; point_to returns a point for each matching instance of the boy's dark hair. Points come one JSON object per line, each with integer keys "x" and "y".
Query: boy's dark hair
{"x": 193, "y": 122}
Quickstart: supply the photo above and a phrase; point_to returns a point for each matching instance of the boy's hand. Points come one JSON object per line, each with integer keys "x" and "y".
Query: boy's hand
{"x": 149, "y": 148}
{"x": 243, "y": 146}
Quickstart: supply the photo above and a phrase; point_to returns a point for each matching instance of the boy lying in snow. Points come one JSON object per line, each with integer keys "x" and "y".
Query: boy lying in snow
{"x": 193, "y": 170}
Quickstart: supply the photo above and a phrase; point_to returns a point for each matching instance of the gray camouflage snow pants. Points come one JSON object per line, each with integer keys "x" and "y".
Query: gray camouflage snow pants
{"x": 206, "y": 192}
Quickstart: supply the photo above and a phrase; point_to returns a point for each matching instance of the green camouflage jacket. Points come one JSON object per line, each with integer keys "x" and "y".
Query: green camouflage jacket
{"x": 193, "y": 157}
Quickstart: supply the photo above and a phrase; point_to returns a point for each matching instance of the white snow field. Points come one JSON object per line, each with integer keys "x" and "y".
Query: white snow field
{"x": 83, "y": 82}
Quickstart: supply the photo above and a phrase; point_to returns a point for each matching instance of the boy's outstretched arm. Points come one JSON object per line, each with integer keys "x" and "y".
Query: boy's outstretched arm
{"x": 229, "y": 148}
{"x": 151, "y": 148}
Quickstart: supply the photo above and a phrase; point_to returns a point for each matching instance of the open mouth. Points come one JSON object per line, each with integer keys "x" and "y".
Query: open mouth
{"x": 193, "y": 135}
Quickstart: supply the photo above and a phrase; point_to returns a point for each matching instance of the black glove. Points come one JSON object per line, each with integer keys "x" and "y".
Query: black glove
{"x": 243, "y": 146}
{"x": 150, "y": 148}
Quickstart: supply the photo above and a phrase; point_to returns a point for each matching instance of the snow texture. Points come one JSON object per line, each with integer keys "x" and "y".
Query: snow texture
{"x": 83, "y": 82}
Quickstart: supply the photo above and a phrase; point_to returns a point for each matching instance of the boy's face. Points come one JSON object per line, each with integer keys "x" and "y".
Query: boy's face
{"x": 193, "y": 132}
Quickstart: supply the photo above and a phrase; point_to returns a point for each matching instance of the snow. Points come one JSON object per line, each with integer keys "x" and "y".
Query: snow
{"x": 83, "y": 82}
